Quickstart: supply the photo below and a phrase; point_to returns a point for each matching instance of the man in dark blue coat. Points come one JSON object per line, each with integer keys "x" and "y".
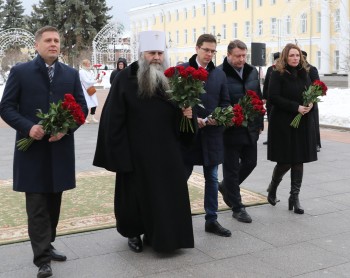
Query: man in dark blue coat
{"x": 208, "y": 147}
{"x": 240, "y": 143}
{"x": 47, "y": 168}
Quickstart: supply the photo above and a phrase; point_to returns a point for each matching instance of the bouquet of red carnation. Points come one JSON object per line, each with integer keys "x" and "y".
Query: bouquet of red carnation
{"x": 252, "y": 106}
{"x": 228, "y": 116}
{"x": 186, "y": 85}
{"x": 99, "y": 76}
{"x": 60, "y": 117}
{"x": 315, "y": 90}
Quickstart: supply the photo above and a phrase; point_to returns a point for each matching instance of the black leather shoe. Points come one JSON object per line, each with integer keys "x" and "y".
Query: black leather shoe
{"x": 57, "y": 255}
{"x": 135, "y": 244}
{"x": 242, "y": 216}
{"x": 223, "y": 192}
{"x": 44, "y": 271}
{"x": 215, "y": 228}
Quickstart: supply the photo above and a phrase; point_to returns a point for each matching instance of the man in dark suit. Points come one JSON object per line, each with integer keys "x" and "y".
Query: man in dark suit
{"x": 266, "y": 86}
{"x": 47, "y": 168}
{"x": 208, "y": 148}
{"x": 313, "y": 73}
{"x": 240, "y": 143}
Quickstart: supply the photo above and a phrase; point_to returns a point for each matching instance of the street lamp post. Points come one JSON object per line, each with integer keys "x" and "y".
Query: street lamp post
{"x": 170, "y": 42}
{"x": 218, "y": 39}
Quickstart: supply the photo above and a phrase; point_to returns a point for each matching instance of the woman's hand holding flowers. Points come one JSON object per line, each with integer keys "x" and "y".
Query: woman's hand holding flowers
{"x": 305, "y": 109}
{"x": 57, "y": 137}
{"x": 37, "y": 132}
{"x": 187, "y": 112}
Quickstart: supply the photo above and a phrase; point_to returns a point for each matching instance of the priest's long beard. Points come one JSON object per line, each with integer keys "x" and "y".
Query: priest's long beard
{"x": 151, "y": 78}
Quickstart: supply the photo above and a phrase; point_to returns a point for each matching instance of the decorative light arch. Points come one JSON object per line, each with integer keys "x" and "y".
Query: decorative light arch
{"x": 109, "y": 44}
{"x": 16, "y": 35}
{"x": 12, "y": 36}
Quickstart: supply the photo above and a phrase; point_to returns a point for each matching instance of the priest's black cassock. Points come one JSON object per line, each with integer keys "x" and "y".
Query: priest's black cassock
{"x": 139, "y": 139}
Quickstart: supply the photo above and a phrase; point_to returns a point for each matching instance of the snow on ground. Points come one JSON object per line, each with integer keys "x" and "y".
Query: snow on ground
{"x": 334, "y": 109}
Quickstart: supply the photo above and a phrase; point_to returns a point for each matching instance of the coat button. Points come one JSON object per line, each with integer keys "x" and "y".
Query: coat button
{"x": 50, "y": 93}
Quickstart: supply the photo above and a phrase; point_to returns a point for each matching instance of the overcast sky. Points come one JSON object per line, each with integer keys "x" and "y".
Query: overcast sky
{"x": 119, "y": 11}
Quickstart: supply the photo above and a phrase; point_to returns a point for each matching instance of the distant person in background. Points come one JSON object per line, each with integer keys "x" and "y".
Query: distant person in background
{"x": 266, "y": 86}
{"x": 288, "y": 146}
{"x": 313, "y": 73}
{"x": 88, "y": 79}
{"x": 121, "y": 64}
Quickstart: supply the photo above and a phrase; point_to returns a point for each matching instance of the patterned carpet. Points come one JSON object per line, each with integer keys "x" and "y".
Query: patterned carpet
{"x": 90, "y": 205}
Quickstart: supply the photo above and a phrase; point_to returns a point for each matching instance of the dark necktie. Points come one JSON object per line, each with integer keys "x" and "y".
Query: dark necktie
{"x": 50, "y": 72}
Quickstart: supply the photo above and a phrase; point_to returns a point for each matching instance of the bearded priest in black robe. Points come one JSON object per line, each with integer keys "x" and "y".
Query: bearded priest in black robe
{"x": 139, "y": 139}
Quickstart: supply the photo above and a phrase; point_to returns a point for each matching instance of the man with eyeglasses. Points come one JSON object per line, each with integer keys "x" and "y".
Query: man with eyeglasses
{"x": 207, "y": 149}
{"x": 240, "y": 143}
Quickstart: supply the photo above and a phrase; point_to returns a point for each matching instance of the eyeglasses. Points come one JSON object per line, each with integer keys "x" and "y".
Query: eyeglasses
{"x": 207, "y": 50}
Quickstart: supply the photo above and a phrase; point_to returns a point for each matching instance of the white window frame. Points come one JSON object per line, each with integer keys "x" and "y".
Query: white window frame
{"x": 234, "y": 5}
{"x": 288, "y": 25}
{"x": 319, "y": 59}
{"x": 273, "y": 26}
{"x": 247, "y": 29}
{"x": 303, "y": 23}
{"x": 223, "y": 6}
{"x": 235, "y": 30}
{"x": 260, "y": 27}
{"x": 336, "y": 60}
{"x": 318, "y": 22}
{"x": 224, "y": 32}
{"x": 337, "y": 20}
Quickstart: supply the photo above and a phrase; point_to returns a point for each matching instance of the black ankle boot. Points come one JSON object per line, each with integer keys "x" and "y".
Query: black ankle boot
{"x": 296, "y": 176}
{"x": 293, "y": 201}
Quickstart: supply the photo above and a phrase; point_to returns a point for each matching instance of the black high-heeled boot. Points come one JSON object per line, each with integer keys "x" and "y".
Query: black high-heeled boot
{"x": 277, "y": 175}
{"x": 293, "y": 201}
{"x": 296, "y": 176}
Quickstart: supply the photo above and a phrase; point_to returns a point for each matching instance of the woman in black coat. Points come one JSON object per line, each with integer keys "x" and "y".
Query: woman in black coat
{"x": 288, "y": 146}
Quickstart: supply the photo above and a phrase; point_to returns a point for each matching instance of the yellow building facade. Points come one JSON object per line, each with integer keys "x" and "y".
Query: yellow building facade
{"x": 320, "y": 27}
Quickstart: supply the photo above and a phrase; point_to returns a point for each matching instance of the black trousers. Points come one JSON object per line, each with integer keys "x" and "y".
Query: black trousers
{"x": 93, "y": 110}
{"x": 43, "y": 211}
{"x": 239, "y": 162}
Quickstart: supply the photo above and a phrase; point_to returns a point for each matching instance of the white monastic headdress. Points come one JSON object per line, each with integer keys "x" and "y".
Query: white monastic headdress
{"x": 151, "y": 41}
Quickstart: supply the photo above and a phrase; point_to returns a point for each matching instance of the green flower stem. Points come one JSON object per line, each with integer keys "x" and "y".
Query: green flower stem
{"x": 186, "y": 125}
{"x": 24, "y": 143}
{"x": 296, "y": 121}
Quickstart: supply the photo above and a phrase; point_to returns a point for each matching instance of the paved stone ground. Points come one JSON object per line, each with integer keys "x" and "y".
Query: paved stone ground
{"x": 278, "y": 243}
